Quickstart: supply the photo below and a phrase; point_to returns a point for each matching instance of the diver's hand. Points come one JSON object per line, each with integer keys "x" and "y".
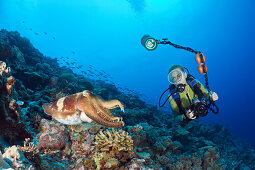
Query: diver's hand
{"x": 213, "y": 96}
{"x": 190, "y": 114}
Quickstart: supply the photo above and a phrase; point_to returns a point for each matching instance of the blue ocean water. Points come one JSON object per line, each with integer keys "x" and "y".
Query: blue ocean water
{"x": 107, "y": 34}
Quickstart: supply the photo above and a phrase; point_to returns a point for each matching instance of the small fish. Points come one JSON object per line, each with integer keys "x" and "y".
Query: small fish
{"x": 23, "y": 22}
{"x": 45, "y": 33}
{"x": 20, "y": 103}
{"x": 36, "y": 33}
{"x": 80, "y": 66}
{"x": 73, "y": 52}
{"x": 53, "y": 38}
{"x": 31, "y": 29}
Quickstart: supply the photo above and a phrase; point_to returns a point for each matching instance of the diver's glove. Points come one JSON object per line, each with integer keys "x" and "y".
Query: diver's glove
{"x": 213, "y": 96}
{"x": 190, "y": 114}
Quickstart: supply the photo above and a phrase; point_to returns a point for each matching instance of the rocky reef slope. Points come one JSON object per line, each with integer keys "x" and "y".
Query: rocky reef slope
{"x": 29, "y": 139}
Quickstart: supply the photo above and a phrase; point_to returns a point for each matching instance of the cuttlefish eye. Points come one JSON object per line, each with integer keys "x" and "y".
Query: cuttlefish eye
{"x": 84, "y": 93}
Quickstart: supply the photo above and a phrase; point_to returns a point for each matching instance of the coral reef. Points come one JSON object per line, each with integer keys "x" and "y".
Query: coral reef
{"x": 89, "y": 164}
{"x": 11, "y": 126}
{"x": 150, "y": 139}
{"x": 53, "y": 137}
{"x": 3, "y": 164}
{"x": 16, "y": 158}
{"x": 31, "y": 152}
{"x": 105, "y": 161}
{"x": 8, "y": 106}
{"x": 114, "y": 141}
{"x": 82, "y": 145}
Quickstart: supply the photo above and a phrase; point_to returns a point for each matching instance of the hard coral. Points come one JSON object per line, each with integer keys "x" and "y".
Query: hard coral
{"x": 3, "y": 164}
{"x": 7, "y": 109}
{"x": 113, "y": 141}
{"x": 9, "y": 81}
{"x": 29, "y": 150}
{"x": 82, "y": 145}
{"x": 210, "y": 158}
{"x": 105, "y": 161}
{"x": 16, "y": 158}
{"x": 5, "y": 71}
{"x": 94, "y": 129}
{"x": 89, "y": 164}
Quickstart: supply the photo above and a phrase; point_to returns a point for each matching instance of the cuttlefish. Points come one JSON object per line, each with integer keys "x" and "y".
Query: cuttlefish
{"x": 84, "y": 107}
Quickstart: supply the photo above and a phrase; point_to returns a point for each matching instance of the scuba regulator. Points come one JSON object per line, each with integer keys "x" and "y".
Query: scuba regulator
{"x": 200, "y": 106}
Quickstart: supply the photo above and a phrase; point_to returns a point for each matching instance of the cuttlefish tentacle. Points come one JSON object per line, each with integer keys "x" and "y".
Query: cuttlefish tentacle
{"x": 91, "y": 112}
{"x": 93, "y": 101}
{"x": 111, "y": 104}
{"x": 103, "y": 111}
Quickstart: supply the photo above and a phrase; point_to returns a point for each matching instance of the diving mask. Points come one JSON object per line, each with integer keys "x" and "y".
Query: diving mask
{"x": 175, "y": 76}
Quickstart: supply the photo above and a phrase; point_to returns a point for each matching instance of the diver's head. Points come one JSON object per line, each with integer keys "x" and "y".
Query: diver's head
{"x": 177, "y": 75}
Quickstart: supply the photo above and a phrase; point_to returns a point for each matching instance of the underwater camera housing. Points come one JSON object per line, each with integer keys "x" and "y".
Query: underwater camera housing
{"x": 200, "y": 108}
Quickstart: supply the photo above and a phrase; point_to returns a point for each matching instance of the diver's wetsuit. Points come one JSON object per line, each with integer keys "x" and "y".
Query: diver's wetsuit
{"x": 178, "y": 117}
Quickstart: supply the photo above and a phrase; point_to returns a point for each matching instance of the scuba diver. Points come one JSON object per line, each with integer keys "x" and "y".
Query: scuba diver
{"x": 187, "y": 95}
{"x": 188, "y": 98}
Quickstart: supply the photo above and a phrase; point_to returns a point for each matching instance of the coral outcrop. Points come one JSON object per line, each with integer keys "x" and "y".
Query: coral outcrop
{"x": 105, "y": 161}
{"x": 11, "y": 126}
{"x": 114, "y": 141}
{"x": 31, "y": 152}
{"x": 16, "y": 159}
{"x": 8, "y": 106}
{"x": 53, "y": 137}
{"x": 3, "y": 164}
